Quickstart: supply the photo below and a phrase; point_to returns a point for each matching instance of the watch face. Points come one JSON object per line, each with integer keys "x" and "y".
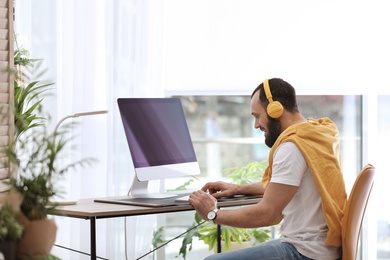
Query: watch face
{"x": 211, "y": 215}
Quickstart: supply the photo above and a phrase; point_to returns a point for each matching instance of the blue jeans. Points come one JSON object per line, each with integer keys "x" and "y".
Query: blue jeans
{"x": 273, "y": 249}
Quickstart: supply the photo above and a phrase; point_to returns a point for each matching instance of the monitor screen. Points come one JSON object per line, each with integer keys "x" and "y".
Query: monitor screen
{"x": 158, "y": 137}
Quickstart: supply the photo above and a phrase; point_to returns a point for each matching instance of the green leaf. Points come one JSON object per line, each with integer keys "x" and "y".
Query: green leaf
{"x": 186, "y": 244}
{"x": 27, "y": 106}
{"x": 261, "y": 235}
{"x": 184, "y": 186}
{"x": 249, "y": 173}
{"x": 158, "y": 237}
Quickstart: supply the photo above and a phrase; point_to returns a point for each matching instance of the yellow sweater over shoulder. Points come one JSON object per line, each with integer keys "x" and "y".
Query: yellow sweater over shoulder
{"x": 319, "y": 143}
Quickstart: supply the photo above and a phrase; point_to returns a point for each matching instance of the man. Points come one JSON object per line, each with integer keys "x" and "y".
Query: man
{"x": 303, "y": 184}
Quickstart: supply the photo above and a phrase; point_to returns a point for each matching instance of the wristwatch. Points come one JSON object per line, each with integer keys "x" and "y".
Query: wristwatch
{"x": 212, "y": 215}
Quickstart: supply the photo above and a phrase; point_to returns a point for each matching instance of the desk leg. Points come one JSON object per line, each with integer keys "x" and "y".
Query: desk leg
{"x": 93, "y": 238}
{"x": 219, "y": 243}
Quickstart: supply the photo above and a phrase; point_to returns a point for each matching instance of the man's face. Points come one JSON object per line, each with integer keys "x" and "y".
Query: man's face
{"x": 270, "y": 126}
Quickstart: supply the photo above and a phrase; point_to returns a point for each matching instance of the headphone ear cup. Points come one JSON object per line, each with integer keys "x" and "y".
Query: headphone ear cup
{"x": 275, "y": 109}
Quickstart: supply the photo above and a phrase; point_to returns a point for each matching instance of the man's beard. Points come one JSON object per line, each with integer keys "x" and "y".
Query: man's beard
{"x": 274, "y": 130}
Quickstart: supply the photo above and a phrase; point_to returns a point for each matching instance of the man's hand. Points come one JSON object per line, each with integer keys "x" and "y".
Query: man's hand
{"x": 220, "y": 189}
{"x": 203, "y": 203}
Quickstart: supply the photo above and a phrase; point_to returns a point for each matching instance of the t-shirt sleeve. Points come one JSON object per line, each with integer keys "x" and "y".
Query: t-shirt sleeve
{"x": 289, "y": 166}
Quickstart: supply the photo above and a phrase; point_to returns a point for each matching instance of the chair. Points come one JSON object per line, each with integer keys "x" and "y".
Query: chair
{"x": 354, "y": 212}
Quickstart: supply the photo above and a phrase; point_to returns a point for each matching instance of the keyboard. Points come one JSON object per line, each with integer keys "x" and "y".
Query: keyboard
{"x": 235, "y": 197}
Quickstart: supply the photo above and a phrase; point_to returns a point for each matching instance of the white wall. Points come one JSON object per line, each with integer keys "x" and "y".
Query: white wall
{"x": 327, "y": 47}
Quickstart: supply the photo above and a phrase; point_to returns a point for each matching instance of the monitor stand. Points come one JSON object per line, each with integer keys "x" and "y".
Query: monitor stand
{"x": 139, "y": 189}
{"x": 140, "y": 196}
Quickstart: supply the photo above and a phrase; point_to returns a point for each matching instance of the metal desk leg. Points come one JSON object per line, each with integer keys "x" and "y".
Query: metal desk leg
{"x": 93, "y": 238}
{"x": 219, "y": 243}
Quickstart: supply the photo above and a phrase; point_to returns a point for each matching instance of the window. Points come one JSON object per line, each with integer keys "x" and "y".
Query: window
{"x": 222, "y": 129}
{"x": 382, "y": 178}
{"x": 223, "y": 134}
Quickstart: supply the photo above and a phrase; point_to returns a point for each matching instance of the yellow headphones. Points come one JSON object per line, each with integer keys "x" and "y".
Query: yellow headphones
{"x": 274, "y": 108}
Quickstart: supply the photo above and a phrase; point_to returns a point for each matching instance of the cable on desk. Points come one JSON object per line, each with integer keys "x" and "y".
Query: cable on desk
{"x": 169, "y": 241}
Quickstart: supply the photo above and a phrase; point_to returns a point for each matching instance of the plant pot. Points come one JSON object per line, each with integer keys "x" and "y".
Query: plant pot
{"x": 8, "y": 249}
{"x": 38, "y": 239}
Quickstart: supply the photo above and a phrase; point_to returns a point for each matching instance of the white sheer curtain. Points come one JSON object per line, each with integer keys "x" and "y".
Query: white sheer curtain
{"x": 97, "y": 51}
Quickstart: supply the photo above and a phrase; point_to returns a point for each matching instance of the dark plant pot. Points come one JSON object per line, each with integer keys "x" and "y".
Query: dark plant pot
{"x": 8, "y": 249}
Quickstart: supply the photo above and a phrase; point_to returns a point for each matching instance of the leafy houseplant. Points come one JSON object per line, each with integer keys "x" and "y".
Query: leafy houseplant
{"x": 32, "y": 150}
{"x": 36, "y": 154}
{"x": 10, "y": 230}
{"x": 27, "y": 105}
{"x": 207, "y": 232}
{"x": 37, "y": 158}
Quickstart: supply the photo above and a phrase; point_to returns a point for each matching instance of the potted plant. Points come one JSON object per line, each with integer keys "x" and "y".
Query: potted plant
{"x": 230, "y": 236}
{"x": 10, "y": 229}
{"x": 36, "y": 157}
{"x": 35, "y": 153}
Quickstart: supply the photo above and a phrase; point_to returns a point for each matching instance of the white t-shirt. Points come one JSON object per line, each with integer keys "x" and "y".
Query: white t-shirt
{"x": 304, "y": 223}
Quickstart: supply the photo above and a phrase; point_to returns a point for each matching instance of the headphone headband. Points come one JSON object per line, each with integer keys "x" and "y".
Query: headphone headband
{"x": 267, "y": 91}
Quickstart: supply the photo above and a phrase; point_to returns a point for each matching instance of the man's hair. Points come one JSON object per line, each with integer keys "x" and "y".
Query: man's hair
{"x": 281, "y": 91}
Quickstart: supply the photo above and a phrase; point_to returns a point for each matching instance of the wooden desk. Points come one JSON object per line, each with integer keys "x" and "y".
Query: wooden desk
{"x": 88, "y": 209}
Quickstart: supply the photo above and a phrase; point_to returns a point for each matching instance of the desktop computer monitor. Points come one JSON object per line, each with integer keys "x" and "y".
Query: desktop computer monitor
{"x": 159, "y": 141}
